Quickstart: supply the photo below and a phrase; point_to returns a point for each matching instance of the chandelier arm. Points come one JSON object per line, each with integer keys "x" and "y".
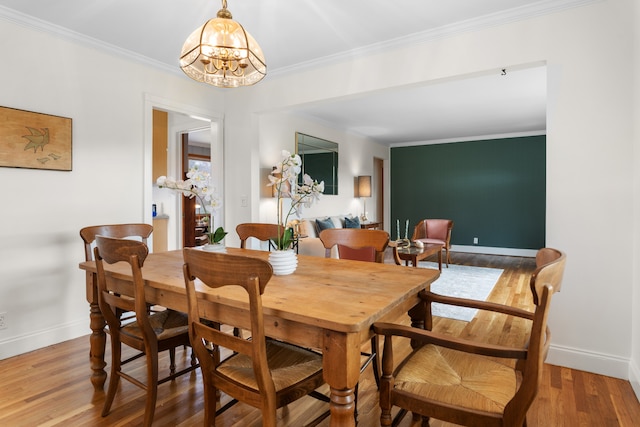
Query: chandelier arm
{"x": 238, "y": 71}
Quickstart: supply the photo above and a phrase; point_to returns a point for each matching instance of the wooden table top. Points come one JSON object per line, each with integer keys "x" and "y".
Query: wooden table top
{"x": 340, "y": 295}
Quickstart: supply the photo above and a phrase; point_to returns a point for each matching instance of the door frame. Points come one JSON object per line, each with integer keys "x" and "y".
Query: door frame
{"x": 378, "y": 176}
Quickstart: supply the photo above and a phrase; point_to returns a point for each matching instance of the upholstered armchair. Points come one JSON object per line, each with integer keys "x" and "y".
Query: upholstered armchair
{"x": 435, "y": 231}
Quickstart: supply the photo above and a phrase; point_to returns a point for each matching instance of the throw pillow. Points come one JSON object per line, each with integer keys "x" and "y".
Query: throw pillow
{"x": 324, "y": 224}
{"x": 307, "y": 229}
{"x": 351, "y": 222}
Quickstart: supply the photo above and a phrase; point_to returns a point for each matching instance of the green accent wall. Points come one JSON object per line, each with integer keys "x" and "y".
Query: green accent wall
{"x": 494, "y": 190}
{"x": 321, "y": 167}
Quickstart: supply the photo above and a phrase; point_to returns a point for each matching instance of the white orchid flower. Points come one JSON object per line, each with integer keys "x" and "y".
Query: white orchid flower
{"x": 284, "y": 179}
{"x": 197, "y": 185}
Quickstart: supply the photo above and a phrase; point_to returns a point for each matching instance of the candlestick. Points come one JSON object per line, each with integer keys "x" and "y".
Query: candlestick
{"x": 406, "y": 229}
{"x": 398, "y": 228}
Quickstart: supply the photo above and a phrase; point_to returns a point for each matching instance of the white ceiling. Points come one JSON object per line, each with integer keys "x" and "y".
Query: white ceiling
{"x": 298, "y": 33}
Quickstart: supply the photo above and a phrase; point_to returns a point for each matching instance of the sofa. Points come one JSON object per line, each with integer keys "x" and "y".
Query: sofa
{"x": 309, "y": 230}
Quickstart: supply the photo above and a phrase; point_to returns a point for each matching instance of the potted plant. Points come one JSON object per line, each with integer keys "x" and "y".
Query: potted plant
{"x": 284, "y": 180}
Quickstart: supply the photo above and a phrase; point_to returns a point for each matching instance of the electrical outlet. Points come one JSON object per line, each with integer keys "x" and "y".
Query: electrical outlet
{"x": 3, "y": 320}
{"x": 475, "y": 240}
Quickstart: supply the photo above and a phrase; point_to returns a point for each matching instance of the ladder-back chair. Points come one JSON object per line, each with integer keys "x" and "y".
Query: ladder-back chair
{"x": 466, "y": 381}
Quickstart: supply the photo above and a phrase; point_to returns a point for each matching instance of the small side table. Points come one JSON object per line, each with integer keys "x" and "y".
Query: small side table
{"x": 415, "y": 254}
{"x": 371, "y": 224}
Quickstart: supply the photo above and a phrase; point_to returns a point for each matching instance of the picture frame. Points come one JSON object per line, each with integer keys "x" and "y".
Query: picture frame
{"x": 35, "y": 140}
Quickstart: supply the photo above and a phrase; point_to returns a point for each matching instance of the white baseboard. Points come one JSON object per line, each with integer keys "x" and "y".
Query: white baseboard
{"x": 634, "y": 378}
{"x": 494, "y": 251}
{"x": 16, "y": 345}
{"x": 597, "y": 363}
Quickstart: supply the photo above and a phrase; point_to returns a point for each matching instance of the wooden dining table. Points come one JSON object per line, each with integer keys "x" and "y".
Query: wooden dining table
{"x": 326, "y": 304}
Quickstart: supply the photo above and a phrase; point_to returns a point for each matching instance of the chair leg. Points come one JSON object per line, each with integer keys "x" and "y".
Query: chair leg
{"x": 194, "y": 360}
{"x": 355, "y": 403}
{"x": 375, "y": 346}
{"x": 172, "y": 361}
{"x": 385, "y": 416}
{"x": 116, "y": 352}
{"x": 210, "y": 400}
{"x": 152, "y": 386}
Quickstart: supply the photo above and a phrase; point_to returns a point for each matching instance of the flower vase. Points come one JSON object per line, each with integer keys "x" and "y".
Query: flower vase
{"x": 283, "y": 261}
{"x": 214, "y": 247}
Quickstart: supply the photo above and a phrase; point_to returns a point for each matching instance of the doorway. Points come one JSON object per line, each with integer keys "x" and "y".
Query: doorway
{"x": 181, "y": 119}
{"x": 195, "y": 153}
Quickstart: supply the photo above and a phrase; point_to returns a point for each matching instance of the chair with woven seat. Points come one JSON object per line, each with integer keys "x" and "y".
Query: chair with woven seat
{"x": 140, "y": 231}
{"x": 264, "y": 373}
{"x": 435, "y": 231}
{"x": 472, "y": 382}
{"x": 260, "y": 231}
{"x": 359, "y": 245}
{"x": 150, "y": 333}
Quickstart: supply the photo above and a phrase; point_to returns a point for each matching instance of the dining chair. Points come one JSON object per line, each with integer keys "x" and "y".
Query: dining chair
{"x": 139, "y": 231}
{"x": 264, "y": 373}
{"x": 359, "y": 245}
{"x": 472, "y": 382}
{"x": 88, "y": 234}
{"x": 435, "y": 231}
{"x": 260, "y": 231}
{"x": 353, "y": 241}
{"x": 150, "y": 333}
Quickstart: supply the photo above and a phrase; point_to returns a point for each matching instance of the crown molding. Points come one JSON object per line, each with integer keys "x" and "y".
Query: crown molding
{"x": 37, "y": 24}
{"x": 470, "y": 138}
{"x": 544, "y": 7}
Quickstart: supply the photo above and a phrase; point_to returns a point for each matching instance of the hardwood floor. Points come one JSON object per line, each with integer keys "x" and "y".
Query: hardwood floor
{"x": 51, "y": 387}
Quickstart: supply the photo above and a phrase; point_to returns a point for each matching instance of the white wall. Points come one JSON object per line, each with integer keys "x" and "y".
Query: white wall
{"x": 590, "y": 143}
{"x": 634, "y": 369}
{"x": 41, "y": 288}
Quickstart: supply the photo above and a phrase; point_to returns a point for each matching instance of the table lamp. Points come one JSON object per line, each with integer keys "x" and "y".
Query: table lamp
{"x": 364, "y": 191}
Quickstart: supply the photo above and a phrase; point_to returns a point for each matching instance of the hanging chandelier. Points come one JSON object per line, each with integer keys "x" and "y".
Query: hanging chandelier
{"x": 223, "y": 54}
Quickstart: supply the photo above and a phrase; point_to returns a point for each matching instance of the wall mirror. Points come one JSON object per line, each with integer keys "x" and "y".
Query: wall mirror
{"x": 319, "y": 160}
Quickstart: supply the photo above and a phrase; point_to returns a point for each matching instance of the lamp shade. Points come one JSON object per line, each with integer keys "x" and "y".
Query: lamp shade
{"x": 223, "y": 54}
{"x": 364, "y": 186}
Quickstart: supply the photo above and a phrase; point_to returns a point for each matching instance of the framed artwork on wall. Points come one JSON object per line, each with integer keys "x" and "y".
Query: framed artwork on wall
{"x": 34, "y": 140}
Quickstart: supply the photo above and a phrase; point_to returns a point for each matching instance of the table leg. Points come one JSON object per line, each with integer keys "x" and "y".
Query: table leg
{"x": 341, "y": 364}
{"x": 98, "y": 338}
{"x": 417, "y": 314}
{"x": 97, "y": 342}
{"x": 440, "y": 260}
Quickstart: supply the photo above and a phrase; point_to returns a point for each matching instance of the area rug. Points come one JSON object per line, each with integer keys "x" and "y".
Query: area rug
{"x": 464, "y": 282}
